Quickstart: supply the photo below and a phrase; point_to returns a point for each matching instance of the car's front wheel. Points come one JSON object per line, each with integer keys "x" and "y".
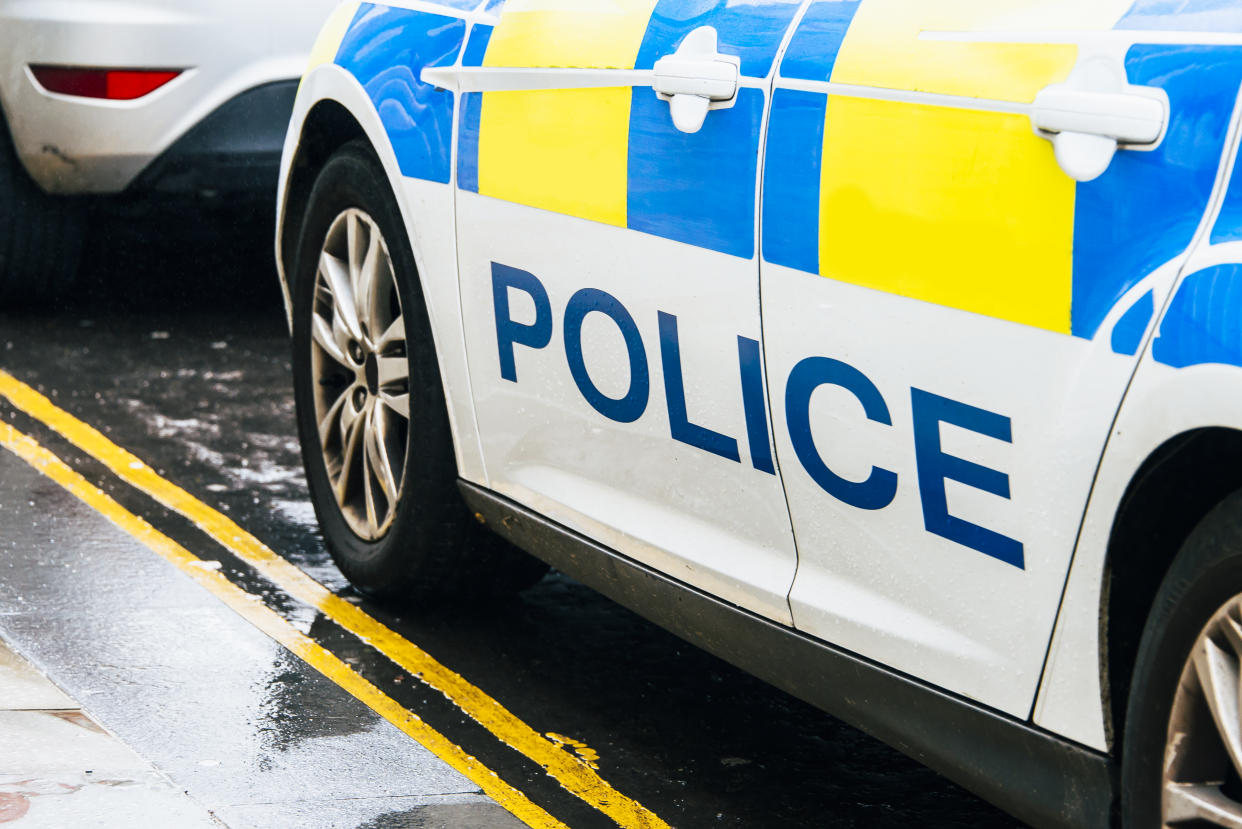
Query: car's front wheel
{"x": 1182, "y": 753}
{"x": 371, "y": 413}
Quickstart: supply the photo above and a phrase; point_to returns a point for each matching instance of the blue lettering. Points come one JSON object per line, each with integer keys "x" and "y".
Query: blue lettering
{"x": 536, "y": 335}
{"x": 630, "y": 407}
{"x": 675, "y": 392}
{"x": 751, "y": 363}
{"x": 935, "y": 467}
{"x": 880, "y": 487}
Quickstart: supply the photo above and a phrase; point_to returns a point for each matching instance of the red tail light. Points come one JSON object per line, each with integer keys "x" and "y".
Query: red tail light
{"x": 111, "y": 84}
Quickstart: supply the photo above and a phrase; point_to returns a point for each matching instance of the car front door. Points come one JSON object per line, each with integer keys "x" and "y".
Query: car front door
{"x": 958, "y": 270}
{"x": 609, "y": 280}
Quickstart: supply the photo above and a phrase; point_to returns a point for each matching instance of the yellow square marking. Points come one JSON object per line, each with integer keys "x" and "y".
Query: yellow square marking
{"x": 600, "y": 34}
{"x": 958, "y": 207}
{"x": 562, "y": 150}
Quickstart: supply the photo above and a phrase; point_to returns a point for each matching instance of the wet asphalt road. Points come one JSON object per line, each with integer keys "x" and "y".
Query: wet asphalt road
{"x": 177, "y": 350}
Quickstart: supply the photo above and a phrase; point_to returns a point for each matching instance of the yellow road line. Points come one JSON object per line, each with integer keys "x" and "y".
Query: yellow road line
{"x": 571, "y": 772}
{"x": 253, "y": 609}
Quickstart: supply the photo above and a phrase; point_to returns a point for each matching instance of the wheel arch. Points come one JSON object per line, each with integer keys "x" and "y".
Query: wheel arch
{"x": 1175, "y": 451}
{"x": 1170, "y": 493}
{"x": 327, "y": 127}
{"x": 333, "y": 108}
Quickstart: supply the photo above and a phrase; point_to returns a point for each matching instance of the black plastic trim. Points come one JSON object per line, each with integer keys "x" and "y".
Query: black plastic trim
{"x": 1036, "y": 776}
{"x": 236, "y": 148}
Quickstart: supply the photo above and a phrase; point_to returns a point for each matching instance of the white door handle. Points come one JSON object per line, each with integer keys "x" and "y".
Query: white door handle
{"x": 1086, "y": 126}
{"x": 696, "y": 78}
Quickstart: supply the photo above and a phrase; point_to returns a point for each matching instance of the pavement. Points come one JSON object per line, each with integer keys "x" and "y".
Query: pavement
{"x": 59, "y": 767}
{"x": 161, "y": 565}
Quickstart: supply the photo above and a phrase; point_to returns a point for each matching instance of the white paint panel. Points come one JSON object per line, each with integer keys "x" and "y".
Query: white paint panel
{"x": 1161, "y": 403}
{"x": 717, "y": 524}
{"x": 876, "y": 581}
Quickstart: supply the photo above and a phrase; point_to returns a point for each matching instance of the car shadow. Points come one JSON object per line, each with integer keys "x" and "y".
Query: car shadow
{"x": 178, "y": 254}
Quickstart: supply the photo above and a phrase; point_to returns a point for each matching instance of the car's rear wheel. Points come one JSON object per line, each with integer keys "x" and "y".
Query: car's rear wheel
{"x": 372, "y": 419}
{"x": 1182, "y": 754}
{"x": 40, "y": 235}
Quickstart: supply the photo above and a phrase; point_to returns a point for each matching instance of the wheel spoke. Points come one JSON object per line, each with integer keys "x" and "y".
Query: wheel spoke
{"x": 329, "y": 420}
{"x": 368, "y": 490}
{"x": 1184, "y": 802}
{"x": 393, "y": 370}
{"x": 336, "y": 274}
{"x": 380, "y": 462}
{"x": 352, "y": 437}
{"x": 393, "y": 335}
{"x": 399, "y": 403}
{"x": 1233, "y": 632}
{"x": 326, "y": 339}
{"x": 355, "y": 235}
{"x": 1217, "y": 671}
{"x": 368, "y": 277}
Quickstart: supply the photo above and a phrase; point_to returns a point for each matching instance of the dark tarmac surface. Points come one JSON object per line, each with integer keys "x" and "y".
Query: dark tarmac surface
{"x": 177, "y": 350}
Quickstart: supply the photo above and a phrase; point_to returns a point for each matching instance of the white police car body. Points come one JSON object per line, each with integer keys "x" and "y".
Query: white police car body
{"x": 898, "y": 339}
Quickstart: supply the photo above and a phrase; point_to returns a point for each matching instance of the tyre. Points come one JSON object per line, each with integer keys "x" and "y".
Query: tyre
{"x": 371, "y": 413}
{"x": 1182, "y": 749}
{"x": 40, "y": 236}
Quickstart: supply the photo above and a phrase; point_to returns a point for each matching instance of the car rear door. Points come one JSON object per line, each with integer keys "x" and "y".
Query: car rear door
{"x": 953, "y": 301}
{"x": 609, "y": 282}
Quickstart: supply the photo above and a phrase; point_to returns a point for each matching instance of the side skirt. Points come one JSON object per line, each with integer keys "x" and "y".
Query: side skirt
{"x": 1036, "y": 776}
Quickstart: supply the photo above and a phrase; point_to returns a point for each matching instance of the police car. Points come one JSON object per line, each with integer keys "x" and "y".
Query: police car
{"x": 891, "y": 349}
{"x": 135, "y": 97}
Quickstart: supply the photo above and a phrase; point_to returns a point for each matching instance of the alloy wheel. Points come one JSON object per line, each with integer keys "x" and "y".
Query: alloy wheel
{"x": 1203, "y": 753}
{"x": 360, "y": 373}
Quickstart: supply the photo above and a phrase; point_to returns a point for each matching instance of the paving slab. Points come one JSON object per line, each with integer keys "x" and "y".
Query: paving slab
{"x": 60, "y": 768}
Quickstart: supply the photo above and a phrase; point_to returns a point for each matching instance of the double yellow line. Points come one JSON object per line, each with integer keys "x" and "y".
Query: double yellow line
{"x": 571, "y": 772}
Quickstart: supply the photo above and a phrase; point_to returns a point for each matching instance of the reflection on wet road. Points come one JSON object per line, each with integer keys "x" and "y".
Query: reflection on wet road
{"x": 580, "y": 709}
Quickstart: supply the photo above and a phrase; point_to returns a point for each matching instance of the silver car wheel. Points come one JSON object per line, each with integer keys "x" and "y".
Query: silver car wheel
{"x": 1203, "y": 753}
{"x": 360, "y": 372}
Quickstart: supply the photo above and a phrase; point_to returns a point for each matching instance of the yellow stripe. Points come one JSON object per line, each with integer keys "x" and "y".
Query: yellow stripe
{"x": 884, "y": 47}
{"x": 958, "y": 207}
{"x": 253, "y": 609}
{"x": 563, "y": 150}
{"x": 330, "y": 36}
{"x": 603, "y": 34}
{"x": 575, "y": 775}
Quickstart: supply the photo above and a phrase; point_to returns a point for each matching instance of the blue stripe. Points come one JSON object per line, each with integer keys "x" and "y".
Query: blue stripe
{"x": 1144, "y": 210}
{"x": 386, "y": 49}
{"x": 468, "y": 141}
{"x": 1129, "y": 330}
{"x": 750, "y": 29}
{"x": 1204, "y": 320}
{"x": 791, "y": 179}
{"x": 1228, "y": 226}
{"x": 695, "y": 188}
{"x": 476, "y": 47}
{"x": 812, "y": 51}
{"x": 1184, "y": 16}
